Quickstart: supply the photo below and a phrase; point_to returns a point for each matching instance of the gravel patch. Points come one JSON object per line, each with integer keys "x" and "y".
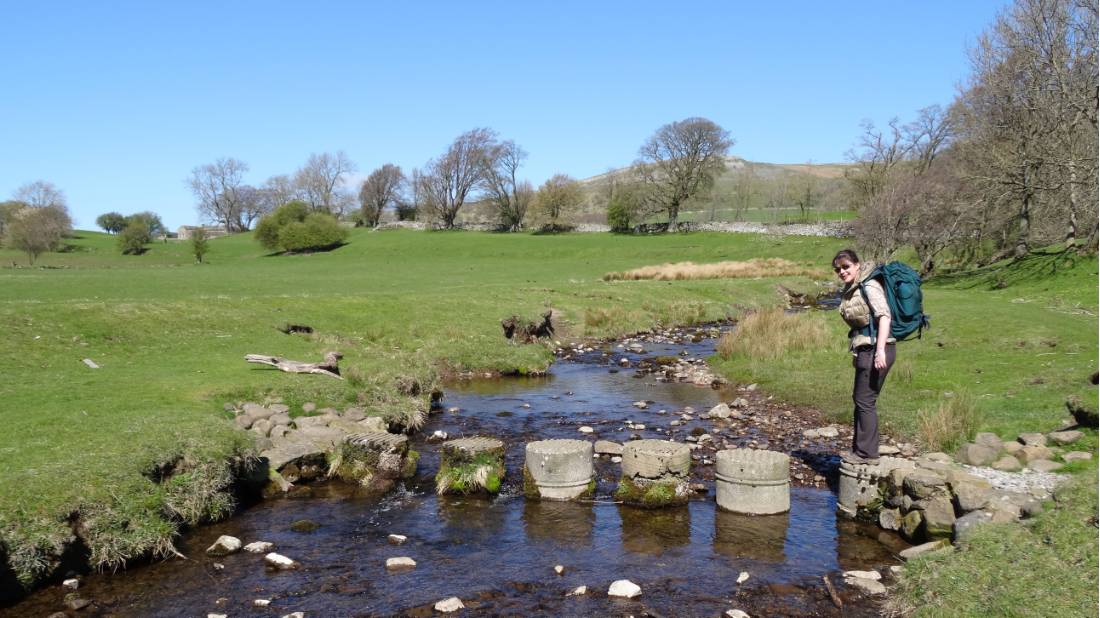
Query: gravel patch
{"x": 1026, "y": 481}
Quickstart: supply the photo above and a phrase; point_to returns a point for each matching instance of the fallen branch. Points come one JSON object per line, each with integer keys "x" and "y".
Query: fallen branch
{"x": 832, "y": 592}
{"x": 327, "y": 367}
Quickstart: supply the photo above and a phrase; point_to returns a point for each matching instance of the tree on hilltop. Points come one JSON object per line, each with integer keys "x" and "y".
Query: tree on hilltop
{"x": 449, "y": 180}
{"x": 381, "y": 190}
{"x": 111, "y": 222}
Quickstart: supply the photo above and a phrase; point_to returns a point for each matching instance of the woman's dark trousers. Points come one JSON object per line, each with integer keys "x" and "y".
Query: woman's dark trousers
{"x": 868, "y": 385}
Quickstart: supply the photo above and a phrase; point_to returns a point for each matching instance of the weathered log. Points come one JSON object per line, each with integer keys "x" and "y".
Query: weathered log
{"x": 327, "y": 367}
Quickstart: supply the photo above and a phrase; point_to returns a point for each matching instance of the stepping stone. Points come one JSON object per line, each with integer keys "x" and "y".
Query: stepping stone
{"x": 559, "y": 470}
{"x": 470, "y": 465}
{"x": 753, "y": 482}
{"x": 654, "y": 473}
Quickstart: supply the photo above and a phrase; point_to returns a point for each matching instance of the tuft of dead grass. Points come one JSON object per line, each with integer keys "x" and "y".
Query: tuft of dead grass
{"x": 773, "y": 333}
{"x": 680, "y": 271}
{"x": 949, "y": 424}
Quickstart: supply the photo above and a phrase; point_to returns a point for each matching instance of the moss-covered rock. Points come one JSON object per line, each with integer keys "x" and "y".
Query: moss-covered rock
{"x": 651, "y": 494}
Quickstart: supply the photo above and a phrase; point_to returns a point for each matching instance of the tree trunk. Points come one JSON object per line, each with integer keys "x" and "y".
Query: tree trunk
{"x": 1071, "y": 237}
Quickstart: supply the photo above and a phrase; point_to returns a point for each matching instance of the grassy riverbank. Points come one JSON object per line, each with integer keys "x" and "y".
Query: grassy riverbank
{"x": 169, "y": 337}
{"x": 1013, "y": 340}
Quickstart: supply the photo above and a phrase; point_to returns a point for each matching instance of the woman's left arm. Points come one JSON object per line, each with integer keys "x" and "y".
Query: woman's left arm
{"x": 880, "y": 342}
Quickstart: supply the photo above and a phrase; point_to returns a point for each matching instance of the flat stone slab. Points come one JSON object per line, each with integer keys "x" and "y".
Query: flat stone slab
{"x": 288, "y": 449}
{"x": 655, "y": 459}
{"x": 607, "y": 447}
{"x": 378, "y": 440}
{"x": 474, "y": 445}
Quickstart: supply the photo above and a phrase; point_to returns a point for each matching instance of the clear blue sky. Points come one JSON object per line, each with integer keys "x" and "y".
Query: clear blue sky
{"x": 115, "y": 102}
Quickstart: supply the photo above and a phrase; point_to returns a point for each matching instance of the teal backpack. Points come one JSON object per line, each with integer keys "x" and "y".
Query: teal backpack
{"x": 903, "y": 295}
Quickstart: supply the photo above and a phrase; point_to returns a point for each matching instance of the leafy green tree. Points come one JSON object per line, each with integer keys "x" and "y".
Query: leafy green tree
{"x": 111, "y": 222}
{"x": 152, "y": 222}
{"x": 618, "y": 215}
{"x": 293, "y": 227}
{"x": 134, "y": 237}
{"x": 200, "y": 245}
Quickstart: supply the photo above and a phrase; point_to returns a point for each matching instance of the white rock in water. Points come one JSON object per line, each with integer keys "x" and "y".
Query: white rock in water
{"x": 559, "y": 569}
{"x": 279, "y": 561}
{"x": 616, "y": 459}
{"x": 71, "y": 584}
{"x": 868, "y": 586}
{"x": 828, "y": 432}
{"x": 641, "y": 405}
{"x": 578, "y": 591}
{"x": 624, "y": 588}
{"x": 438, "y": 434}
{"x": 224, "y": 546}
{"x": 742, "y": 577}
{"x": 295, "y": 615}
{"x": 259, "y": 547}
{"x": 261, "y": 602}
{"x": 585, "y": 429}
{"x": 864, "y": 574}
{"x": 397, "y": 539}
{"x": 736, "y": 613}
{"x": 218, "y": 566}
{"x": 400, "y": 563}
{"x": 447, "y": 606}
{"x": 217, "y": 616}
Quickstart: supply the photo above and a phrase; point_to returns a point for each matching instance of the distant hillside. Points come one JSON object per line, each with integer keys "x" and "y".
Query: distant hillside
{"x": 747, "y": 191}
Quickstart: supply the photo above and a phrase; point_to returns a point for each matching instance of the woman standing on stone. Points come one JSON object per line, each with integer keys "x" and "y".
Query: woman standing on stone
{"x": 863, "y": 307}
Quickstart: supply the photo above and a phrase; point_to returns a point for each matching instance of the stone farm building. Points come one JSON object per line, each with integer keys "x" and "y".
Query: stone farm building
{"x": 212, "y": 231}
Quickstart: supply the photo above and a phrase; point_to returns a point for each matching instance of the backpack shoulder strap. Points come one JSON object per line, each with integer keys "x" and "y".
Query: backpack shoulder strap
{"x": 870, "y": 309}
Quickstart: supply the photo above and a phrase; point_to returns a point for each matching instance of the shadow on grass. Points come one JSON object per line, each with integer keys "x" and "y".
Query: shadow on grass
{"x": 1032, "y": 267}
{"x": 310, "y": 251}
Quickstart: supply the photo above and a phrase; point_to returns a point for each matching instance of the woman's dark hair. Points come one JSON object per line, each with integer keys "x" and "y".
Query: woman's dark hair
{"x": 846, "y": 254}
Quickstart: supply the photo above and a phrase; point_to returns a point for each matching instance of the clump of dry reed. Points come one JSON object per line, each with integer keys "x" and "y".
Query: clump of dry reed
{"x": 756, "y": 267}
{"x": 773, "y": 333}
{"x": 950, "y": 424}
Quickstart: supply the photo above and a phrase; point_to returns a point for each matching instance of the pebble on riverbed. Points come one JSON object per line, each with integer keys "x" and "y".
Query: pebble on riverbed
{"x": 224, "y": 546}
{"x": 401, "y": 563}
{"x": 624, "y": 588}
{"x": 259, "y": 547}
{"x": 447, "y": 606}
{"x": 397, "y": 539}
{"x": 279, "y": 562}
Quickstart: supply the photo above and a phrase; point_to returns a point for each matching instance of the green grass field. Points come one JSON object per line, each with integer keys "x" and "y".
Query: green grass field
{"x": 170, "y": 337}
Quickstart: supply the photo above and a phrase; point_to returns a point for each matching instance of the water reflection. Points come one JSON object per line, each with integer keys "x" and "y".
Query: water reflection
{"x": 655, "y": 531}
{"x": 471, "y": 519}
{"x": 752, "y": 537}
{"x": 567, "y": 524}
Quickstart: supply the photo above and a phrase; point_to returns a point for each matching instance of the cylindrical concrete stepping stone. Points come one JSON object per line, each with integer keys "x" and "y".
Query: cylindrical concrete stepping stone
{"x": 559, "y": 470}
{"x": 859, "y": 483}
{"x": 753, "y": 482}
{"x": 470, "y": 465}
{"x": 373, "y": 459}
{"x": 655, "y": 473}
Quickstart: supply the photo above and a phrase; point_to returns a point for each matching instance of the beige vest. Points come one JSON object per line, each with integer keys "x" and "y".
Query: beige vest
{"x": 855, "y": 310}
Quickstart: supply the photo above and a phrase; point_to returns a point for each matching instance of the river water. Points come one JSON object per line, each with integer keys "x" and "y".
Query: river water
{"x": 498, "y": 555}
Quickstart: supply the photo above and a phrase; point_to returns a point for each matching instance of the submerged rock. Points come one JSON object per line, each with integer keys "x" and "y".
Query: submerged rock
{"x": 397, "y": 539}
{"x": 279, "y": 561}
{"x": 401, "y": 563}
{"x": 259, "y": 547}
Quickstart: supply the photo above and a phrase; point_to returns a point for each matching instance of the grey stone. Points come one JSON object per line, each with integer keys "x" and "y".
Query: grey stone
{"x": 607, "y": 447}
{"x": 1044, "y": 465}
{"x": 886, "y": 449}
{"x": 720, "y": 411}
{"x": 259, "y": 547}
{"x": 740, "y": 402}
{"x": 400, "y": 563}
{"x": 919, "y": 550}
{"x": 624, "y": 588}
{"x": 1012, "y": 447}
{"x": 280, "y": 419}
{"x": 279, "y": 562}
{"x": 290, "y": 449}
{"x": 655, "y": 459}
{"x": 939, "y": 517}
{"x": 278, "y": 408}
{"x": 965, "y": 525}
{"x": 865, "y": 585}
{"x": 976, "y": 455}
{"x": 971, "y": 494}
{"x": 875, "y": 575}
{"x": 911, "y": 523}
{"x": 1032, "y": 439}
{"x": 449, "y": 605}
{"x": 923, "y": 484}
{"x": 1030, "y": 453}
{"x": 889, "y": 519}
{"x": 243, "y": 421}
{"x": 828, "y": 432}
{"x": 262, "y": 427}
{"x": 560, "y": 469}
{"x": 1065, "y": 437}
{"x": 989, "y": 440}
{"x": 937, "y": 456}
{"x": 1076, "y": 456}
{"x": 256, "y": 411}
{"x": 1007, "y": 464}
{"x": 324, "y": 437}
{"x": 224, "y": 546}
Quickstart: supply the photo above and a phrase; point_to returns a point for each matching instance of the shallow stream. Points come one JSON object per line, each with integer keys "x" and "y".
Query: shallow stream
{"x": 498, "y": 555}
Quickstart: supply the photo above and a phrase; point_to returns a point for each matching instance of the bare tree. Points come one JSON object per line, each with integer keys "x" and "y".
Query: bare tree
{"x": 878, "y": 154}
{"x": 449, "y": 180}
{"x": 280, "y": 189}
{"x": 557, "y": 196}
{"x": 40, "y": 194}
{"x": 253, "y": 203}
{"x": 320, "y": 182}
{"x": 37, "y": 229}
{"x": 680, "y": 161}
{"x": 381, "y": 190}
{"x": 510, "y": 196}
{"x": 217, "y": 188}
